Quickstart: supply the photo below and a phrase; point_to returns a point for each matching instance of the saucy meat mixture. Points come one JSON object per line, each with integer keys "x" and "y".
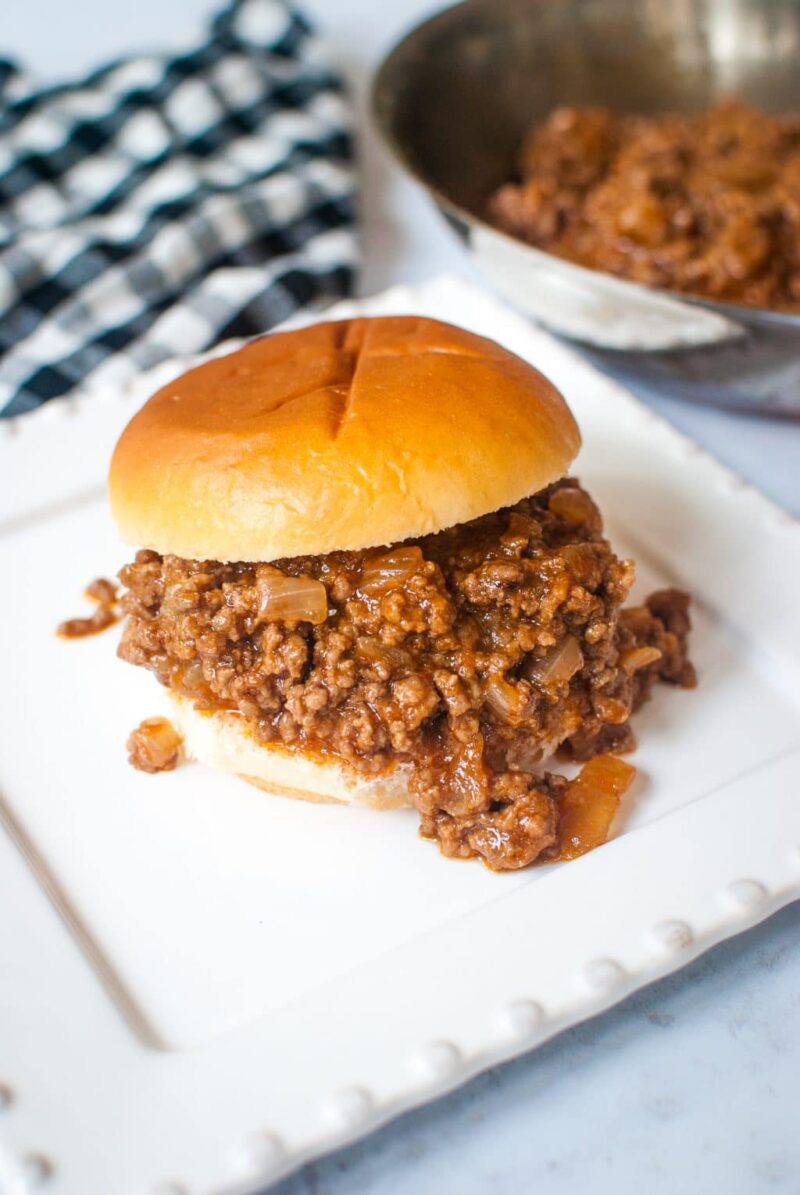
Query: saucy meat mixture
{"x": 106, "y": 612}
{"x": 466, "y": 656}
{"x": 706, "y": 204}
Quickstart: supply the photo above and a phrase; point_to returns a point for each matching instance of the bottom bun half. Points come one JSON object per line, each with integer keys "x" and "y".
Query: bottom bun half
{"x": 223, "y": 741}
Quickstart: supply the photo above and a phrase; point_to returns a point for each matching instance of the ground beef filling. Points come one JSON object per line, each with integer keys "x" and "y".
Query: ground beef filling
{"x": 708, "y": 204}
{"x": 106, "y": 612}
{"x": 467, "y": 656}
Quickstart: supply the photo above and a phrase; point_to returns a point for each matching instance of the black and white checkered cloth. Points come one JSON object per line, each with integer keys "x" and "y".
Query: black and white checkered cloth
{"x": 167, "y": 202}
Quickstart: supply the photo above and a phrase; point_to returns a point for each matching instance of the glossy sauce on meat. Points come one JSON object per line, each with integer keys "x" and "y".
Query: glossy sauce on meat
{"x": 707, "y": 204}
{"x": 104, "y": 594}
{"x": 470, "y": 655}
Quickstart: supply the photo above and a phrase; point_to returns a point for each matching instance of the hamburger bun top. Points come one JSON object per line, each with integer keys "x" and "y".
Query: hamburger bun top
{"x": 342, "y": 435}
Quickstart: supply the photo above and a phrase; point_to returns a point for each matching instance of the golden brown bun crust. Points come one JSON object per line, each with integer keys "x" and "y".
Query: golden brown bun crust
{"x": 297, "y": 794}
{"x": 340, "y": 435}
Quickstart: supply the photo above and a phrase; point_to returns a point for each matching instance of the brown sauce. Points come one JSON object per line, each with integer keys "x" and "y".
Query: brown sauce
{"x": 707, "y": 204}
{"x": 470, "y": 655}
{"x": 104, "y": 594}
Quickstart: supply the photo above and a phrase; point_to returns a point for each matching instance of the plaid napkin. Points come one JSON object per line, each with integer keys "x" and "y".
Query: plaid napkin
{"x": 167, "y": 202}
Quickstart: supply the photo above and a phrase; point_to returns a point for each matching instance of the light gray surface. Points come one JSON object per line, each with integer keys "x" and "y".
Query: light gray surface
{"x": 690, "y": 1086}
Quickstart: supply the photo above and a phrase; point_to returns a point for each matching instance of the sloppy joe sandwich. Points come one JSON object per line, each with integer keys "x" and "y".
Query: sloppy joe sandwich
{"x": 364, "y": 577}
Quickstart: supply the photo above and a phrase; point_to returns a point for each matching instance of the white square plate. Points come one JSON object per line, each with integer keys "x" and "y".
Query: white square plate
{"x": 286, "y": 976}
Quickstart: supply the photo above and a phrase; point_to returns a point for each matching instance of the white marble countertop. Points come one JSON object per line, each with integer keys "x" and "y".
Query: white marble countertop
{"x": 692, "y": 1085}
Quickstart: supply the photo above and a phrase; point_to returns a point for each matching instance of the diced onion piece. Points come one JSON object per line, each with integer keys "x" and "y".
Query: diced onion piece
{"x": 372, "y": 651}
{"x": 466, "y": 781}
{"x": 559, "y": 665}
{"x": 188, "y": 678}
{"x": 522, "y": 527}
{"x": 508, "y": 701}
{"x": 381, "y": 573}
{"x": 611, "y": 709}
{"x": 572, "y": 504}
{"x": 587, "y": 808}
{"x": 155, "y": 746}
{"x": 638, "y": 657}
{"x": 290, "y": 599}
